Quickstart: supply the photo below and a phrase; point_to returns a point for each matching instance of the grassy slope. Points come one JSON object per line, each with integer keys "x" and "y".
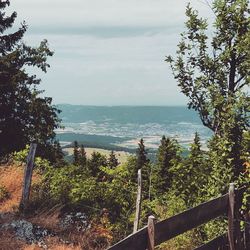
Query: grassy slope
{"x": 11, "y": 177}
{"x": 120, "y": 155}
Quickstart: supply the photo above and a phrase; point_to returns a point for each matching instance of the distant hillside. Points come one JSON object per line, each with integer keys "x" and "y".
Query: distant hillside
{"x": 124, "y": 114}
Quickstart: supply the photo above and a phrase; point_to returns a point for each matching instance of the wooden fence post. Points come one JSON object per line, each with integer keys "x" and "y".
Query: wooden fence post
{"x": 231, "y": 216}
{"x": 234, "y": 235}
{"x": 27, "y": 177}
{"x": 247, "y": 230}
{"x": 138, "y": 203}
{"x": 151, "y": 232}
{"x": 239, "y": 242}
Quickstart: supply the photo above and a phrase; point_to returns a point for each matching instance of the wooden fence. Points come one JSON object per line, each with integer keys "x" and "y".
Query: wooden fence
{"x": 227, "y": 205}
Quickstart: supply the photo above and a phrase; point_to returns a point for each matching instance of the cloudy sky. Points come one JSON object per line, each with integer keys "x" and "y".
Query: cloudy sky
{"x": 108, "y": 52}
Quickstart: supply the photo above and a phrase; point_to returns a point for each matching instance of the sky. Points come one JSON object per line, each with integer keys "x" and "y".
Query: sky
{"x": 108, "y": 52}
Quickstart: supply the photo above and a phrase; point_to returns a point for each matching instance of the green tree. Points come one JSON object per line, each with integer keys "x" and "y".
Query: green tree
{"x": 168, "y": 156}
{"x": 143, "y": 163}
{"x": 25, "y": 116}
{"x": 95, "y": 163}
{"x": 215, "y": 77}
{"x": 112, "y": 160}
{"x": 213, "y": 72}
{"x": 83, "y": 156}
{"x": 76, "y": 153}
{"x": 57, "y": 155}
{"x": 191, "y": 177}
{"x": 141, "y": 155}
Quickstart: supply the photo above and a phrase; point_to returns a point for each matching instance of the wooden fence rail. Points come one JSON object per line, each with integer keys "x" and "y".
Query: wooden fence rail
{"x": 216, "y": 243}
{"x": 178, "y": 224}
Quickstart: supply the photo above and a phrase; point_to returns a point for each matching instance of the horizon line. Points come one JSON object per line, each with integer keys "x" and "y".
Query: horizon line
{"x": 123, "y": 105}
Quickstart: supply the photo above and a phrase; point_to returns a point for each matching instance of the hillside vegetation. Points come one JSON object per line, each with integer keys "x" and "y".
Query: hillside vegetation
{"x": 89, "y": 203}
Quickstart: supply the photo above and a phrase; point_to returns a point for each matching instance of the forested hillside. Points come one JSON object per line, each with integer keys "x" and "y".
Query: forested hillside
{"x": 90, "y": 203}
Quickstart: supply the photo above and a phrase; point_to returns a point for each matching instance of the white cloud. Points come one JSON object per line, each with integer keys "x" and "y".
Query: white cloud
{"x": 86, "y": 13}
{"x": 108, "y": 51}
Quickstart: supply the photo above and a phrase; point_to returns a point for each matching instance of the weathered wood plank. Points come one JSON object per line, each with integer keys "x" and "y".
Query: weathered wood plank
{"x": 28, "y": 176}
{"x": 190, "y": 219}
{"x": 176, "y": 225}
{"x": 219, "y": 242}
{"x": 247, "y": 230}
{"x": 231, "y": 217}
{"x": 137, "y": 241}
{"x": 138, "y": 203}
{"x": 238, "y": 235}
{"x": 151, "y": 232}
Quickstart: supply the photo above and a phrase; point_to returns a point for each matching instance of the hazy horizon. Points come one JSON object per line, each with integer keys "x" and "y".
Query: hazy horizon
{"x": 123, "y": 105}
{"x": 108, "y": 52}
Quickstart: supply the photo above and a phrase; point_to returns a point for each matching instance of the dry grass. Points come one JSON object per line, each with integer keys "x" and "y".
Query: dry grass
{"x": 122, "y": 156}
{"x": 55, "y": 244}
{"x": 32, "y": 247}
{"x": 48, "y": 220}
{"x": 11, "y": 177}
{"x": 9, "y": 242}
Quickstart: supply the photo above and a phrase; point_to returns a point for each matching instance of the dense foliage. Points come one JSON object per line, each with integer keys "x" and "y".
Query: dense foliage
{"x": 25, "y": 116}
{"x": 213, "y": 72}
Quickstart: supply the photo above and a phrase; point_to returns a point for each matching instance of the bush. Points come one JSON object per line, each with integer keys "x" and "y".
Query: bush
{"x": 20, "y": 158}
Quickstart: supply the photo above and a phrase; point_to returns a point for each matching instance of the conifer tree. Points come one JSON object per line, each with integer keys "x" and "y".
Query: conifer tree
{"x": 112, "y": 160}
{"x": 83, "y": 156}
{"x": 76, "y": 154}
{"x": 191, "y": 177}
{"x": 25, "y": 116}
{"x": 141, "y": 155}
{"x": 143, "y": 164}
{"x": 167, "y": 157}
{"x": 96, "y": 161}
{"x": 58, "y": 156}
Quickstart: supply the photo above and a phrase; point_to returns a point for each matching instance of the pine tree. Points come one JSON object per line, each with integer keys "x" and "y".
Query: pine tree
{"x": 112, "y": 160}
{"x": 141, "y": 155}
{"x": 191, "y": 177}
{"x": 76, "y": 154}
{"x": 97, "y": 161}
{"x": 25, "y": 116}
{"x": 143, "y": 164}
{"x": 83, "y": 156}
{"x": 58, "y": 156}
{"x": 167, "y": 157}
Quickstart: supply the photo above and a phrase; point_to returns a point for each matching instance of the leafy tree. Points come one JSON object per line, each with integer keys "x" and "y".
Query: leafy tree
{"x": 112, "y": 160}
{"x": 25, "y": 116}
{"x": 215, "y": 77}
{"x": 213, "y": 72}
{"x": 168, "y": 156}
